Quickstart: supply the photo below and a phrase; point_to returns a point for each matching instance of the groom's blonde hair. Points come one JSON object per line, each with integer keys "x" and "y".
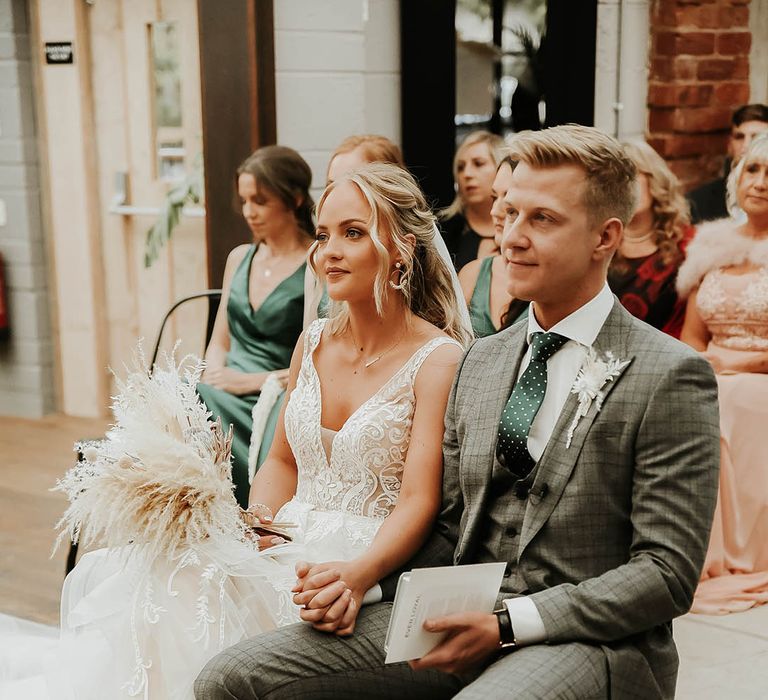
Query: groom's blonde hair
{"x": 398, "y": 208}
{"x": 610, "y": 174}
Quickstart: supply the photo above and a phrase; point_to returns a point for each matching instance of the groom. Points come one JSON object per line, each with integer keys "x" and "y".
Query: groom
{"x": 599, "y": 501}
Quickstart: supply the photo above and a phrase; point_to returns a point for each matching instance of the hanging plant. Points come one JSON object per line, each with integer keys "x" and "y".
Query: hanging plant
{"x": 188, "y": 191}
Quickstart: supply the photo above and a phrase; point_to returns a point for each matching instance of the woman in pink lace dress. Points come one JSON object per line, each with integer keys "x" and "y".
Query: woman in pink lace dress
{"x": 725, "y": 277}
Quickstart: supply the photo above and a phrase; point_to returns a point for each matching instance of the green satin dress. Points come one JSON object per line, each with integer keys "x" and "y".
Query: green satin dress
{"x": 480, "y": 303}
{"x": 261, "y": 340}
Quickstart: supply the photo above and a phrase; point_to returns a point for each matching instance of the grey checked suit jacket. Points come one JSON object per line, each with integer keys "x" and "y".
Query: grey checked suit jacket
{"x": 612, "y": 551}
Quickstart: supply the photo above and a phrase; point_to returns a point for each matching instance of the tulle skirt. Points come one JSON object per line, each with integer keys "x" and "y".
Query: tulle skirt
{"x": 137, "y": 628}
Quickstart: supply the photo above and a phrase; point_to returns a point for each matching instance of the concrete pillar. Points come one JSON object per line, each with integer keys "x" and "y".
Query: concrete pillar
{"x": 758, "y": 55}
{"x": 337, "y": 66}
{"x": 66, "y": 109}
{"x": 621, "y": 67}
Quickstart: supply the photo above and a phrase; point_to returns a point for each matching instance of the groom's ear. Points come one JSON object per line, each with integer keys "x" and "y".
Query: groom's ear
{"x": 611, "y": 232}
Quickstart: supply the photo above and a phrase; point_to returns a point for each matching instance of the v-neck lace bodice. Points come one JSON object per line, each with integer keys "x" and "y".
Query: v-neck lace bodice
{"x": 362, "y": 471}
{"x": 735, "y": 308}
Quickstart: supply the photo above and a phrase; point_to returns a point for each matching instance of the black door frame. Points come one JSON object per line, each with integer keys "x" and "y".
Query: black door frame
{"x": 428, "y": 80}
{"x": 237, "y": 72}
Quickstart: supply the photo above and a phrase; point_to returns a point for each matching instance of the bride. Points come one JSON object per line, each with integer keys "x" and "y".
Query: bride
{"x": 354, "y": 472}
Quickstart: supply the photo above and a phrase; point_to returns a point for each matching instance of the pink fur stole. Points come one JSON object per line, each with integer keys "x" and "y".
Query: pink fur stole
{"x": 718, "y": 244}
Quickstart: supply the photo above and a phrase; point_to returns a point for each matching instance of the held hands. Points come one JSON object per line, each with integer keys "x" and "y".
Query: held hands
{"x": 472, "y": 637}
{"x": 330, "y": 595}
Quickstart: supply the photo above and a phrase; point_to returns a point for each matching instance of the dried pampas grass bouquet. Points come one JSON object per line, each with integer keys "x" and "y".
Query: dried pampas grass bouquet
{"x": 161, "y": 477}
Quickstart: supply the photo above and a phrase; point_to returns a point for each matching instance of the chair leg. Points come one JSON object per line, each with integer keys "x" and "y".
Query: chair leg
{"x": 72, "y": 553}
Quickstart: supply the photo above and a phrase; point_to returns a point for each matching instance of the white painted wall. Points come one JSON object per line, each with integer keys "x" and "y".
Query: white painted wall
{"x": 337, "y": 66}
{"x": 623, "y": 38}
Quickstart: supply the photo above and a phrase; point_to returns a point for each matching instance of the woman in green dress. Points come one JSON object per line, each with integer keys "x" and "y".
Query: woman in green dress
{"x": 484, "y": 283}
{"x": 262, "y": 305}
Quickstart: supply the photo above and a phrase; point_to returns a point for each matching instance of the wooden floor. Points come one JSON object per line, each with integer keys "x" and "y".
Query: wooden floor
{"x": 33, "y": 454}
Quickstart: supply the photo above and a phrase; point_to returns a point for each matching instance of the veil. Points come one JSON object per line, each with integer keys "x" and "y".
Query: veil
{"x": 462, "y": 310}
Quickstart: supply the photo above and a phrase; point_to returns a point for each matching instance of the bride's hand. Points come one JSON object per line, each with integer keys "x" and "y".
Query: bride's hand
{"x": 330, "y": 595}
{"x": 259, "y": 514}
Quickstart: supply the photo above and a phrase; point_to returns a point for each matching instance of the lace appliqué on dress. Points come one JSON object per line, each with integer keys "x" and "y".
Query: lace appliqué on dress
{"x": 363, "y": 474}
{"x": 735, "y": 308}
{"x": 208, "y": 615}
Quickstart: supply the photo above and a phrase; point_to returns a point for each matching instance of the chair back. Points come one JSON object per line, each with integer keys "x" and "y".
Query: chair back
{"x": 214, "y": 299}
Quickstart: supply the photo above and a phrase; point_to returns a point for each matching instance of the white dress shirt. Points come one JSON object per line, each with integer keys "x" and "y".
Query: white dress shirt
{"x": 581, "y": 328}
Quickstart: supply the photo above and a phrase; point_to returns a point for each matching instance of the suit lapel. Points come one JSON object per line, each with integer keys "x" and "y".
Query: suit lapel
{"x": 558, "y": 461}
{"x": 484, "y": 425}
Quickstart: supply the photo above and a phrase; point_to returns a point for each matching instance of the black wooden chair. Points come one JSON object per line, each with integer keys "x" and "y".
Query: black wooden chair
{"x": 214, "y": 299}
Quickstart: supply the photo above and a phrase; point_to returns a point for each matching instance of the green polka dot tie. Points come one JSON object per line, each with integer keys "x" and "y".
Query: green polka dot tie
{"x": 524, "y": 403}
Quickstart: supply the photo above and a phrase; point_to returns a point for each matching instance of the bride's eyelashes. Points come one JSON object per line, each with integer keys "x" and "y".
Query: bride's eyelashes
{"x": 353, "y": 233}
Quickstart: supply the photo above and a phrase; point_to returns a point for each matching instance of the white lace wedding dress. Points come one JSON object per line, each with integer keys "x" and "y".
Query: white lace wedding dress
{"x": 140, "y": 626}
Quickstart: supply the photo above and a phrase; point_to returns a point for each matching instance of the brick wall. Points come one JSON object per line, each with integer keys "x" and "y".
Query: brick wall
{"x": 699, "y": 73}
{"x": 26, "y": 360}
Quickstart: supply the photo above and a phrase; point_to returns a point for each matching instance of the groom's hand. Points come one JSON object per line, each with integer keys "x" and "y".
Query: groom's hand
{"x": 472, "y": 638}
{"x": 327, "y": 602}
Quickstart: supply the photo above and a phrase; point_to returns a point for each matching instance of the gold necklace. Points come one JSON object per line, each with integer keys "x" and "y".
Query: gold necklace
{"x": 267, "y": 270}
{"x": 373, "y": 361}
{"x": 378, "y": 357}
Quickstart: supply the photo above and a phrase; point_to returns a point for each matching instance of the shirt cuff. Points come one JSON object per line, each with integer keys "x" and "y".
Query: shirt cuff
{"x": 526, "y": 621}
{"x": 374, "y": 595}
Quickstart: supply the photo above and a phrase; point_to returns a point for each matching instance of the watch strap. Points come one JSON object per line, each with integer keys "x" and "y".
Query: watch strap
{"x": 506, "y": 632}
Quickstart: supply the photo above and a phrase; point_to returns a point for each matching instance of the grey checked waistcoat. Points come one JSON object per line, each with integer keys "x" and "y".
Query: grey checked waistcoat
{"x": 499, "y": 538}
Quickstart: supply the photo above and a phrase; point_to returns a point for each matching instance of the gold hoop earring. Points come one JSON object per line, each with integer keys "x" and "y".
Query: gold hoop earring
{"x": 399, "y": 286}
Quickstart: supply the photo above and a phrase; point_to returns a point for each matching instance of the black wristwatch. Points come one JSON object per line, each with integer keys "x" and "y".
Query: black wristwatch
{"x": 507, "y": 639}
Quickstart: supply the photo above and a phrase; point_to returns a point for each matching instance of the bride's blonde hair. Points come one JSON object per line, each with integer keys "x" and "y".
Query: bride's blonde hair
{"x": 398, "y": 208}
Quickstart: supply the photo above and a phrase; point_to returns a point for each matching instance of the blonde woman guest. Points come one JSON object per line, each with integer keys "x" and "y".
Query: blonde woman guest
{"x": 359, "y": 150}
{"x": 725, "y": 279}
{"x": 484, "y": 280}
{"x": 356, "y": 465}
{"x": 644, "y": 269}
{"x": 262, "y": 305}
{"x": 467, "y": 225}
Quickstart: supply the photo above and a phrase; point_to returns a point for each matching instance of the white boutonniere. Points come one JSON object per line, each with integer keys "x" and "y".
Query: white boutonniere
{"x": 594, "y": 374}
